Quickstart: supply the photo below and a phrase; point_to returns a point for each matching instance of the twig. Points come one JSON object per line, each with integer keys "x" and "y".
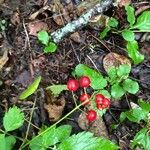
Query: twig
{"x": 81, "y": 21}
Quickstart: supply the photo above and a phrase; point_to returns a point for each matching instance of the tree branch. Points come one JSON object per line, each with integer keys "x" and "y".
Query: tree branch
{"x": 81, "y": 21}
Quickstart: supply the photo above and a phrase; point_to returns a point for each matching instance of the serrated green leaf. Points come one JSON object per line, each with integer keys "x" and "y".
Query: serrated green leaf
{"x": 130, "y": 86}
{"x": 113, "y": 22}
{"x": 103, "y": 34}
{"x": 13, "y": 119}
{"x": 50, "y": 137}
{"x": 56, "y": 89}
{"x": 130, "y": 14}
{"x": 97, "y": 80}
{"x": 50, "y": 48}
{"x": 86, "y": 141}
{"x": 141, "y": 139}
{"x": 134, "y": 115}
{"x": 143, "y": 22}
{"x": 117, "y": 91}
{"x": 31, "y": 88}
{"x": 123, "y": 71}
{"x": 128, "y": 35}
{"x": 144, "y": 105}
{"x": 43, "y": 37}
{"x": 132, "y": 48}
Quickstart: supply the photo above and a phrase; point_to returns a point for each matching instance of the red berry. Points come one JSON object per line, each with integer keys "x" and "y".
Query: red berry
{"x": 99, "y": 106}
{"x": 99, "y": 99}
{"x": 84, "y": 81}
{"x": 106, "y": 103}
{"x": 91, "y": 115}
{"x": 85, "y": 97}
{"x": 72, "y": 85}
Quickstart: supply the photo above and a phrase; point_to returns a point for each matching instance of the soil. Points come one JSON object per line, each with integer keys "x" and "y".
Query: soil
{"x": 26, "y": 60}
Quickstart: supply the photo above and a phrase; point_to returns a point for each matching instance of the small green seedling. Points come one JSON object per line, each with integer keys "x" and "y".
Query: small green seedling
{"x": 46, "y": 39}
{"x": 138, "y": 114}
{"x": 120, "y": 83}
{"x": 141, "y": 24}
{"x": 12, "y": 120}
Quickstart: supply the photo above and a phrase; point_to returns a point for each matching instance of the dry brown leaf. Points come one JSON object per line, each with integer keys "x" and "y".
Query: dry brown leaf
{"x": 3, "y": 59}
{"x": 122, "y": 3}
{"x": 114, "y": 59}
{"x": 97, "y": 127}
{"x": 55, "y": 109}
{"x": 35, "y": 27}
{"x": 15, "y": 19}
{"x": 75, "y": 37}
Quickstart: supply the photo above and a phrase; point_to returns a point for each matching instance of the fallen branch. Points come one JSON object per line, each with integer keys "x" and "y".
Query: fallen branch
{"x": 81, "y": 21}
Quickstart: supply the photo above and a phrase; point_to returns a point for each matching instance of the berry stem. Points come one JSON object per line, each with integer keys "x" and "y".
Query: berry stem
{"x": 74, "y": 99}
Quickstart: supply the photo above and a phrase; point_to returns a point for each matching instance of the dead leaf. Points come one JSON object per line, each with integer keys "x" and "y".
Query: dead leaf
{"x": 55, "y": 109}
{"x": 15, "y": 19}
{"x": 35, "y": 27}
{"x": 97, "y": 127}
{"x": 3, "y": 59}
{"x": 122, "y": 3}
{"x": 75, "y": 37}
{"x": 114, "y": 59}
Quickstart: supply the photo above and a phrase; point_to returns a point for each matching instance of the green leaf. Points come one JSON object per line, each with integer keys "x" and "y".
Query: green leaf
{"x": 144, "y": 105}
{"x": 2, "y": 142}
{"x": 50, "y": 48}
{"x": 50, "y": 137}
{"x": 103, "y": 34}
{"x": 10, "y": 142}
{"x": 134, "y": 115}
{"x": 86, "y": 141}
{"x": 56, "y": 89}
{"x": 143, "y": 22}
{"x": 97, "y": 80}
{"x": 117, "y": 91}
{"x": 113, "y": 22}
{"x": 128, "y": 35}
{"x": 31, "y": 88}
{"x": 130, "y": 86}
{"x": 141, "y": 139}
{"x": 13, "y": 119}
{"x": 112, "y": 73}
{"x": 123, "y": 71}
{"x": 43, "y": 37}
{"x": 6, "y": 143}
{"x": 132, "y": 48}
{"x": 130, "y": 14}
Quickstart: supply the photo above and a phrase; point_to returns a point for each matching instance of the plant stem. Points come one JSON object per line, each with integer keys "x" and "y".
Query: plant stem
{"x": 11, "y": 135}
{"x": 77, "y": 107}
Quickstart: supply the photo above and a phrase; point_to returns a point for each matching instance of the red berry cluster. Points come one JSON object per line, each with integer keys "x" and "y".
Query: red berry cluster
{"x": 101, "y": 101}
{"x": 84, "y": 82}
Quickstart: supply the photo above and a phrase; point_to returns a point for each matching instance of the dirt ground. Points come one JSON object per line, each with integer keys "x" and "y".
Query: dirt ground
{"x": 26, "y": 60}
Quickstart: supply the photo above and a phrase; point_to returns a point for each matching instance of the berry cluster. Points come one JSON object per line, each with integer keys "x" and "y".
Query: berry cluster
{"x": 101, "y": 101}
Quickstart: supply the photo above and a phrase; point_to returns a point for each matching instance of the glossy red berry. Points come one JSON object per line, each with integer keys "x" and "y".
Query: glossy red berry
{"x": 99, "y": 99}
{"x": 85, "y": 97}
{"x": 91, "y": 115}
{"x": 84, "y": 81}
{"x": 72, "y": 85}
{"x": 106, "y": 103}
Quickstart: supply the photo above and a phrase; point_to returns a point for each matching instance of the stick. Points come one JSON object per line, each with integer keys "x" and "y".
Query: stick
{"x": 81, "y": 21}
